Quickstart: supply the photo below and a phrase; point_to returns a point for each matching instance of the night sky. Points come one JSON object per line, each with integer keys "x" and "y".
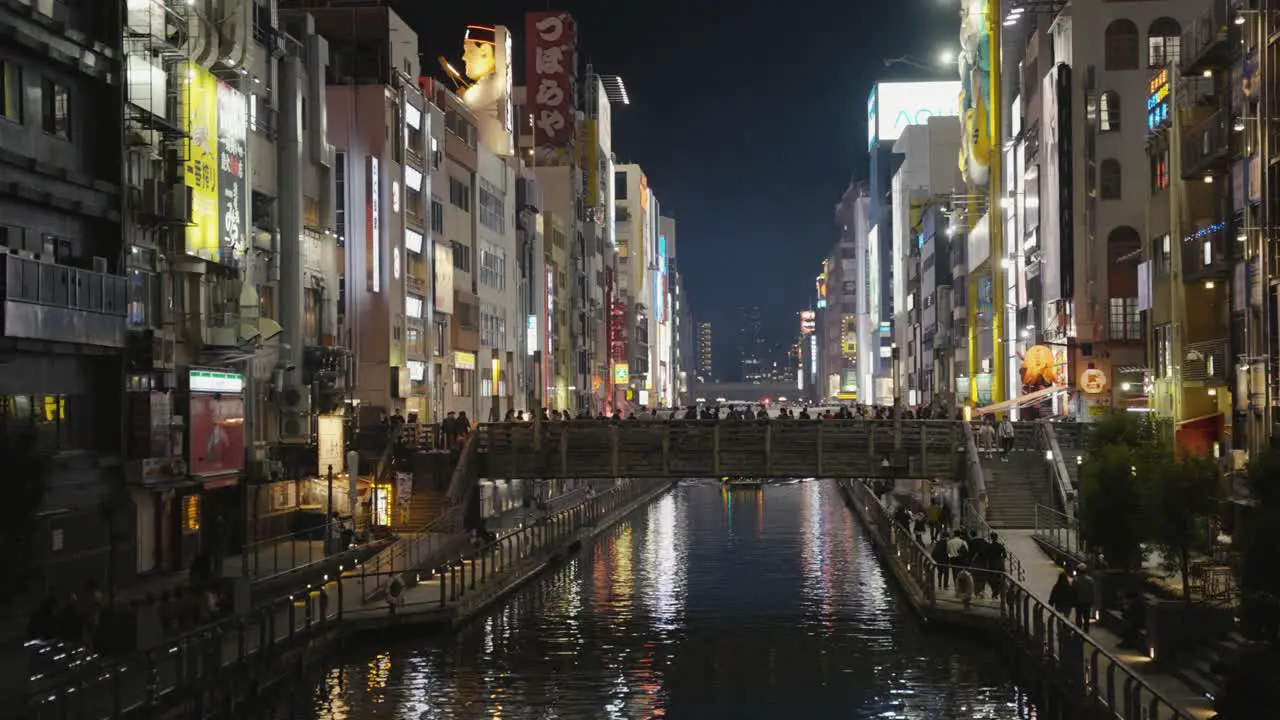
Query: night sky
{"x": 748, "y": 117}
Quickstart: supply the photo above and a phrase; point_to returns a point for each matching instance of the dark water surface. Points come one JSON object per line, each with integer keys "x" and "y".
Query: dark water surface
{"x": 763, "y": 605}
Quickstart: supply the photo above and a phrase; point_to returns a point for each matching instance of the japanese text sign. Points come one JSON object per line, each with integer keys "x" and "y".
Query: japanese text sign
{"x": 551, "y": 42}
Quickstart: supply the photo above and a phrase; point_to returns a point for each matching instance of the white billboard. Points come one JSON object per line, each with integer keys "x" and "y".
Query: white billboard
{"x": 893, "y": 106}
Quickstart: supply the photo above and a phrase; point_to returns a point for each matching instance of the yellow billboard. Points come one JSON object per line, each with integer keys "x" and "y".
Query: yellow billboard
{"x": 199, "y": 120}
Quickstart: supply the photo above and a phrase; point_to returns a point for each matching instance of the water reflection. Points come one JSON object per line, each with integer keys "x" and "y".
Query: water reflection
{"x": 673, "y": 614}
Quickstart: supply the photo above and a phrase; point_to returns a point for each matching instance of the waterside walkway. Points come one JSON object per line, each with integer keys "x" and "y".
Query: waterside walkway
{"x": 1090, "y": 667}
{"x": 210, "y": 668}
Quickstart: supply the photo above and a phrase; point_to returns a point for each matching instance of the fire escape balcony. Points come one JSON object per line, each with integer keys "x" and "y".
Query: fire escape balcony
{"x": 1206, "y": 147}
{"x": 60, "y": 303}
{"x": 1211, "y": 41}
{"x": 1206, "y": 254}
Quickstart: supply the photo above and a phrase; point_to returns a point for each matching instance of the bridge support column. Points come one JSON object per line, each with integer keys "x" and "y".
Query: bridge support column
{"x": 564, "y": 450}
{"x": 613, "y": 450}
{"x": 715, "y": 449}
{"x": 768, "y": 449}
{"x": 821, "y": 471}
{"x": 666, "y": 450}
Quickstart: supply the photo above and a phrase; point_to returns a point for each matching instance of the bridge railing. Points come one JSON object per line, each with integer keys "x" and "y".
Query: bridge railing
{"x": 1044, "y": 632}
{"x": 708, "y": 448}
{"x": 1060, "y": 530}
{"x": 977, "y": 476}
{"x": 1063, "y": 482}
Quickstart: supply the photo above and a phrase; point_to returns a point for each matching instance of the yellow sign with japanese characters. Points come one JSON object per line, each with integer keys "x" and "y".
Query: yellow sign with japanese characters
{"x": 199, "y": 118}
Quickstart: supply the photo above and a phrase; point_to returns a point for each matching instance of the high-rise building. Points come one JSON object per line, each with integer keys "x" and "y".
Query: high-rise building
{"x": 68, "y": 304}
{"x": 751, "y": 347}
{"x": 706, "y": 352}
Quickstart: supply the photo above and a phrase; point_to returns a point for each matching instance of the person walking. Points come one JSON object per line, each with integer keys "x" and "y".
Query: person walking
{"x": 940, "y": 559}
{"x": 957, "y": 551}
{"x": 934, "y": 515}
{"x": 1062, "y": 597}
{"x": 1085, "y": 592}
{"x": 996, "y": 555}
{"x": 1006, "y": 438}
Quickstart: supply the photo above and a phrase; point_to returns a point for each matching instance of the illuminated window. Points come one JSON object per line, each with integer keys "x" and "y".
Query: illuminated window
{"x": 56, "y": 109}
{"x": 10, "y": 91}
{"x": 1125, "y": 319}
{"x": 1164, "y": 42}
{"x": 1160, "y": 171}
{"x": 191, "y": 514}
{"x": 1109, "y": 111}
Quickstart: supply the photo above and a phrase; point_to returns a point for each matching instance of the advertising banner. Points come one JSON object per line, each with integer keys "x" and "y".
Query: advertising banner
{"x": 443, "y": 295}
{"x": 329, "y": 443}
{"x": 233, "y": 123}
{"x": 216, "y": 434}
{"x": 199, "y": 120}
{"x": 551, "y": 41}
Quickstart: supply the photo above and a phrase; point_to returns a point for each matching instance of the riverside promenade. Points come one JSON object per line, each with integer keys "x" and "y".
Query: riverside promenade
{"x": 1096, "y": 677}
{"x": 222, "y": 667}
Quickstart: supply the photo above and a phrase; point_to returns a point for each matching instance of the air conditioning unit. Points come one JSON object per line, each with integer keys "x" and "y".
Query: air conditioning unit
{"x": 179, "y": 206}
{"x": 151, "y": 205}
{"x": 295, "y": 414}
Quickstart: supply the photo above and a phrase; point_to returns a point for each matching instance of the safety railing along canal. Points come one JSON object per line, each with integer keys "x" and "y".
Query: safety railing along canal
{"x": 1043, "y": 631}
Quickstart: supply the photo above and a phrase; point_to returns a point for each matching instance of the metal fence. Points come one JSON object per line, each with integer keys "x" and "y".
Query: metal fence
{"x": 1084, "y": 665}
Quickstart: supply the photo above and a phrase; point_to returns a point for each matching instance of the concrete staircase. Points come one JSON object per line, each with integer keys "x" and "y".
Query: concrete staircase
{"x": 1015, "y": 487}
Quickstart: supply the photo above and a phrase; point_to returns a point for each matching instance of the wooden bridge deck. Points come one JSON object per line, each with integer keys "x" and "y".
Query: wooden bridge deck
{"x": 708, "y": 448}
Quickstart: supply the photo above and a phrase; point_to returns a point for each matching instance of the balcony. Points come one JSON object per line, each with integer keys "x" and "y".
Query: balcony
{"x": 1211, "y": 41}
{"x": 59, "y": 303}
{"x": 1206, "y": 362}
{"x": 1205, "y": 254}
{"x": 1206, "y": 147}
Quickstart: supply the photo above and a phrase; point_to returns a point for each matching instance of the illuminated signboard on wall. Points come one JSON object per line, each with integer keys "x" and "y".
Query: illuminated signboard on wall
{"x": 1158, "y": 100}
{"x": 808, "y": 321}
{"x": 892, "y": 107}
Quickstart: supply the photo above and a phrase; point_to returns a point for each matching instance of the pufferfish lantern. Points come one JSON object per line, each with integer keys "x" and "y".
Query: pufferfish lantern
{"x": 1039, "y": 371}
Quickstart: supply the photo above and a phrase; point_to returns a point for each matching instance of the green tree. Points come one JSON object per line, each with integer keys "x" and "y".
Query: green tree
{"x": 26, "y": 477}
{"x": 1257, "y": 544}
{"x": 1180, "y": 494}
{"x": 1111, "y": 506}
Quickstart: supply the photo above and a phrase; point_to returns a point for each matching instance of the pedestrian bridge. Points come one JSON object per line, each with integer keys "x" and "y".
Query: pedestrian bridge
{"x": 581, "y": 449}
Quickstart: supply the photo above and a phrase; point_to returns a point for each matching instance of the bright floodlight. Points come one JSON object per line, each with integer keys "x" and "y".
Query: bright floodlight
{"x": 946, "y": 57}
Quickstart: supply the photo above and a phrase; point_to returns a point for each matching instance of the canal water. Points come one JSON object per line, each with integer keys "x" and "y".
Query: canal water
{"x": 706, "y": 604}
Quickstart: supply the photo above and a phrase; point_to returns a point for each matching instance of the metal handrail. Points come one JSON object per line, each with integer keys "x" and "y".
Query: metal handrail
{"x": 1061, "y": 475}
{"x": 1059, "y": 529}
{"x": 977, "y": 475}
{"x": 1045, "y": 630}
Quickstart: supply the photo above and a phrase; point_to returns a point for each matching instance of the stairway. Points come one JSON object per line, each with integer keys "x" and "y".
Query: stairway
{"x": 1015, "y": 487}
{"x": 425, "y": 505}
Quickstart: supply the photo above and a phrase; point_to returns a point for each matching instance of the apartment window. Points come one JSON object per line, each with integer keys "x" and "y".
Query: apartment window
{"x": 460, "y": 194}
{"x": 413, "y": 241}
{"x": 1122, "y": 41}
{"x": 1160, "y": 171}
{"x": 437, "y": 215}
{"x": 492, "y": 207}
{"x": 461, "y": 257}
{"x": 1125, "y": 320}
{"x": 1164, "y": 42}
{"x": 486, "y": 384}
{"x": 413, "y": 306}
{"x": 1110, "y": 183}
{"x": 312, "y": 313}
{"x": 493, "y": 267}
{"x": 620, "y": 186}
{"x": 340, "y": 197}
{"x": 1163, "y": 342}
{"x": 493, "y": 326}
{"x": 10, "y": 91}
{"x": 56, "y": 109}
{"x": 1162, "y": 254}
{"x": 59, "y": 422}
{"x": 1109, "y": 111}
{"x": 143, "y": 298}
{"x": 463, "y": 380}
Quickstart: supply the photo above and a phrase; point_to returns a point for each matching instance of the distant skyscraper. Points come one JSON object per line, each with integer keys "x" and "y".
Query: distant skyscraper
{"x": 706, "y": 367}
{"x": 751, "y": 347}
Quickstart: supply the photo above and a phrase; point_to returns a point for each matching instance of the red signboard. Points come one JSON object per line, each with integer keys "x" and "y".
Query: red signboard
{"x": 216, "y": 434}
{"x": 551, "y": 62}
